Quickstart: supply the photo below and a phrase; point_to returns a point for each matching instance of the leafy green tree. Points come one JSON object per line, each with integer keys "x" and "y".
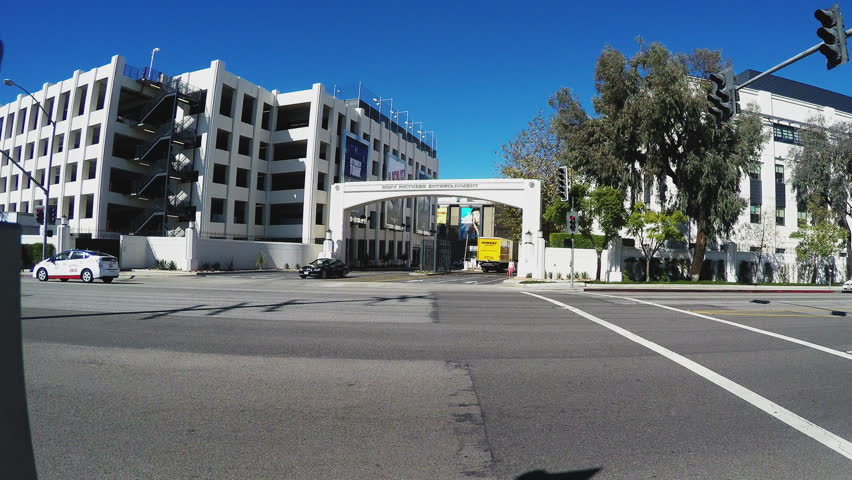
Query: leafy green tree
{"x": 653, "y": 126}
{"x": 822, "y": 173}
{"x": 604, "y": 206}
{"x": 817, "y": 243}
{"x": 532, "y": 153}
{"x": 652, "y": 229}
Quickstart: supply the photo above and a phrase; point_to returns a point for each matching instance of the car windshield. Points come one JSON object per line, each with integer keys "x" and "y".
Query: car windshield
{"x": 321, "y": 261}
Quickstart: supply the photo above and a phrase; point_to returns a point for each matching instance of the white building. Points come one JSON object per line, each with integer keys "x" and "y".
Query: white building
{"x": 139, "y": 152}
{"x": 764, "y": 228}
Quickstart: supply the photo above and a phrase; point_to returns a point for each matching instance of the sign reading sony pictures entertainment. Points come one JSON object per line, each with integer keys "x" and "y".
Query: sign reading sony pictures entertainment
{"x": 356, "y": 156}
{"x": 394, "y": 209}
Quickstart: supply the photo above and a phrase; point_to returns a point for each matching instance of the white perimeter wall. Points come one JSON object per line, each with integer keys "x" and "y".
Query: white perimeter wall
{"x": 190, "y": 253}
{"x": 558, "y": 260}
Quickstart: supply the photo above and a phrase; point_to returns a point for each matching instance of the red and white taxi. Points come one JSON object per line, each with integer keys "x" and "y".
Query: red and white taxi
{"x": 83, "y": 264}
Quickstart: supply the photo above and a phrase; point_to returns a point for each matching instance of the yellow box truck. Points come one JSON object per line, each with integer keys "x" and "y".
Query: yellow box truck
{"x": 494, "y": 253}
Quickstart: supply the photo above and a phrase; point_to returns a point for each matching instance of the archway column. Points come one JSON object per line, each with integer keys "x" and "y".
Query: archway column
{"x": 520, "y": 193}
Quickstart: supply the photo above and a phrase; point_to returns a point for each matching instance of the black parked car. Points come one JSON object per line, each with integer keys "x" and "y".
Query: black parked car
{"x": 324, "y": 268}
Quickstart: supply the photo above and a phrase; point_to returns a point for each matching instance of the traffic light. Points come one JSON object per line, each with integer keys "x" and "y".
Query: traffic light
{"x": 833, "y": 35}
{"x": 562, "y": 183}
{"x": 572, "y": 222}
{"x": 51, "y": 214}
{"x": 39, "y": 215}
{"x": 723, "y": 94}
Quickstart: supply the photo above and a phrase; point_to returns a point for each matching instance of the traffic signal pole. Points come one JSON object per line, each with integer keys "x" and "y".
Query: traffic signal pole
{"x": 787, "y": 62}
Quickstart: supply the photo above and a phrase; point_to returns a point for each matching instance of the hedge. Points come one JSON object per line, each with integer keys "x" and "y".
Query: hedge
{"x": 580, "y": 241}
{"x": 31, "y": 253}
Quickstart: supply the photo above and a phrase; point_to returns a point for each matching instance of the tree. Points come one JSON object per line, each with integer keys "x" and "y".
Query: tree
{"x": 651, "y": 229}
{"x": 822, "y": 172}
{"x": 604, "y": 206}
{"x": 817, "y": 243}
{"x": 653, "y": 126}
{"x": 763, "y": 236}
{"x": 532, "y": 153}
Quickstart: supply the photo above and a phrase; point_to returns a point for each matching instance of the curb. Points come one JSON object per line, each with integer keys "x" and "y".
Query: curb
{"x": 232, "y": 272}
{"x": 707, "y": 290}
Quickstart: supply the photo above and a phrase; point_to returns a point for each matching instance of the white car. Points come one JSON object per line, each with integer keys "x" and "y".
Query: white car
{"x": 83, "y": 264}
{"x": 847, "y": 287}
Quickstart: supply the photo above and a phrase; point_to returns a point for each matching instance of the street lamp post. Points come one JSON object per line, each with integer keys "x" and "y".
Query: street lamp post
{"x": 46, "y": 186}
{"x": 151, "y": 65}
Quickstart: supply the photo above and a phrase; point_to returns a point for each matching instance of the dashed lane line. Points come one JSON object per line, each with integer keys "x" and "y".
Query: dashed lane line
{"x": 823, "y": 436}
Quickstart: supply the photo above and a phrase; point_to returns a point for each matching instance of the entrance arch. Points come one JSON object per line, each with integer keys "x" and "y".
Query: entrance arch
{"x": 516, "y": 192}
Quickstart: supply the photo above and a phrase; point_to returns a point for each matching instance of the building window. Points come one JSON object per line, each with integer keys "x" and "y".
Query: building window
{"x": 242, "y": 178}
{"x": 779, "y": 216}
{"x": 220, "y": 173}
{"x": 779, "y": 173}
{"x": 81, "y": 99}
{"x": 261, "y": 181}
{"x": 100, "y": 94}
{"x": 263, "y": 151}
{"x": 754, "y": 249}
{"x": 244, "y": 147}
{"x": 22, "y": 120}
{"x": 258, "y": 214}
{"x": 754, "y": 172}
{"x": 321, "y": 181}
{"x": 285, "y": 214}
{"x": 14, "y": 185}
{"x": 755, "y": 213}
{"x": 377, "y": 171}
{"x": 75, "y": 139}
{"x": 780, "y": 251}
{"x": 90, "y": 167}
{"x": 323, "y": 152}
{"x": 326, "y": 114}
{"x": 377, "y": 145}
{"x": 264, "y": 117}
{"x": 223, "y": 140}
{"x": 226, "y": 103}
{"x": 786, "y": 134}
{"x": 94, "y": 136}
{"x": 33, "y": 120}
{"x": 88, "y": 205}
{"x": 55, "y": 177}
{"x": 58, "y": 142}
{"x": 217, "y": 210}
{"x": 71, "y": 172}
{"x": 30, "y": 150}
{"x": 64, "y": 100}
{"x": 239, "y": 212}
{"x": 42, "y": 147}
{"x": 248, "y": 110}
{"x": 320, "y": 214}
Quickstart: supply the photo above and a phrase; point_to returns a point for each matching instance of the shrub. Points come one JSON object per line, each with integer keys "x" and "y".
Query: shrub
{"x": 558, "y": 240}
{"x": 559, "y": 276}
{"x": 31, "y": 253}
{"x": 160, "y": 264}
{"x": 205, "y": 266}
{"x": 297, "y": 266}
{"x": 172, "y": 265}
{"x": 230, "y": 265}
{"x": 286, "y": 266}
{"x": 216, "y": 266}
{"x": 529, "y": 275}
{"x": 259, "y": 260}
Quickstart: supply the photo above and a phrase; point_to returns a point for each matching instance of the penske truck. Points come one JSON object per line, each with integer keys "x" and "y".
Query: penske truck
{"x": 494, "y": 253}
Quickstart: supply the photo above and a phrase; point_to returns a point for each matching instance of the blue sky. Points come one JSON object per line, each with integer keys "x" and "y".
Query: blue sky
{"x": 474, "y": 72}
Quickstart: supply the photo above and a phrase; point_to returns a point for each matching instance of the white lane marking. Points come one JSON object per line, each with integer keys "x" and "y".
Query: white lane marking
{"x": 830, "y": 440}
{"x": 821, "y": 348}
{"x": 412, "y": 281}
{"x": 472, "y": 281}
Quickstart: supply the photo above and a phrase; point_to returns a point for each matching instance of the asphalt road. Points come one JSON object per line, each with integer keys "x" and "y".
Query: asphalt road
{"x": 266, "y": 376}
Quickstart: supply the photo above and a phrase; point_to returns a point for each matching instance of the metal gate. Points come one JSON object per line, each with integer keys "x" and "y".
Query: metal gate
{"x": 436, "y": 259}
{"x": 111, "y": 246}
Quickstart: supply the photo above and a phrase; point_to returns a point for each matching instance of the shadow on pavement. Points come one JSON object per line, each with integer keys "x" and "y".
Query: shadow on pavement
{"x": 269, "y": 307}
{"x": 574, "y": 475}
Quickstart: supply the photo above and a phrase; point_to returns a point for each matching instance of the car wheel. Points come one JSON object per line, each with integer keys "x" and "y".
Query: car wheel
{"x": 107, "y": 279}
{"x": 324, "y": 274}
{"x": 86, "y": 276}
{"x": 42, "y": 274}
{"x": 343, "y": 273}
{"x": 303, "y": 276}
